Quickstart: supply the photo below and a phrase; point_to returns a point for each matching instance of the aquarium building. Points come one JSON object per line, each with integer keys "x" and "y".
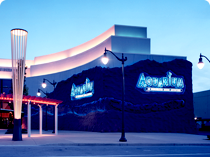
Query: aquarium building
{"x": 158, "y": 88}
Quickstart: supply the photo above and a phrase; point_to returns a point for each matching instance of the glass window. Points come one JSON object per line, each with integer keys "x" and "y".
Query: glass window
{"x": 5, "y": 86}
{"x": 7, "y": 83}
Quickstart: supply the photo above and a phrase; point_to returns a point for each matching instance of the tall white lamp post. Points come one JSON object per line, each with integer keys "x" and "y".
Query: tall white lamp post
{"x": 18, "y": 49}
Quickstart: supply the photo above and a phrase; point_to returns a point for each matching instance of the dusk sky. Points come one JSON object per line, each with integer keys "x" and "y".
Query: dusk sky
{"x": 175, "y": 27}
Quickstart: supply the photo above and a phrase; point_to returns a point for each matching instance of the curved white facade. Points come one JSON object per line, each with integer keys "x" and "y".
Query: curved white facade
{"x": 130, "y": 40}
{"x": 116, "y": 38}
{"x": 75, "y": 50}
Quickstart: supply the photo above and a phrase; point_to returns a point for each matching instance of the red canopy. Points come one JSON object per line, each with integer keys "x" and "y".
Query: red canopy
{"x": 34, "y": 100}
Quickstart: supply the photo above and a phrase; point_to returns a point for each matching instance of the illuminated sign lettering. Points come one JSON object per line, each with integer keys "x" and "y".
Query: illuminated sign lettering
{"x": 168, "y": 84}
{"x": 82, "y": 91}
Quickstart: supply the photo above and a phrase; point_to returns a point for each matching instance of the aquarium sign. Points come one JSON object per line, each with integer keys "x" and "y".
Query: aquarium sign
{"x": 82, "y": 91}
{"x": 170, "y": 83}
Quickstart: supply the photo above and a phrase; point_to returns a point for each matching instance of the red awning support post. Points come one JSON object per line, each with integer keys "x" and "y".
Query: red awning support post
{"x": 56, "y": 119}
{"x": 40, "y": 119}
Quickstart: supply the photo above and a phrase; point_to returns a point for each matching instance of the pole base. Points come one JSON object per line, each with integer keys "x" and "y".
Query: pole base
{"x": 17, "y": 130}
{"x": 122, "y": 139}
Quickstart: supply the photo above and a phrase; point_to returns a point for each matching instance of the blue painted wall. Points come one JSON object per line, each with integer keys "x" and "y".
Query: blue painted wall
{"x": 143, "y": 112}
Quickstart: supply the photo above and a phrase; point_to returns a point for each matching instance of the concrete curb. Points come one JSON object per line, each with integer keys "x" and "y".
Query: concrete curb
{"x": 126, "y": 144}
{"x": 106, "y": 144}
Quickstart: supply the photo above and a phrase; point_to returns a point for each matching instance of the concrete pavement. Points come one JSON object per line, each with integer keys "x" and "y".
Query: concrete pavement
{"x": 82, "y": 138}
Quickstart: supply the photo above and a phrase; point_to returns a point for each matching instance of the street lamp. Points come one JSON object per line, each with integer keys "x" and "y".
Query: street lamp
{"x": 39, "y": 94}
{"x": 105, "y": 61}
{"x": 200, "y": 66}
{"x": 200, "y": 63}
{"x": 44, "y": 85}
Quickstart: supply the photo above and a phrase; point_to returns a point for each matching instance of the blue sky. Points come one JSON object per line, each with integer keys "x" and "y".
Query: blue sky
{"x": 175, "y": 27}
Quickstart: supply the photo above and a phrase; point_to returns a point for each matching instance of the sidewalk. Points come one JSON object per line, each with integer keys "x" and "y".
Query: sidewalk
{"x": 82, "y": 138}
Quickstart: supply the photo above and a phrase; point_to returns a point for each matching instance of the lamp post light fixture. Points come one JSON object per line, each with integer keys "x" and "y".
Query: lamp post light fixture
{"x": 39, "y": 94}
{"x": 44, "y": 85}
{"x": 200, "y": 63}
{"x": 200, "y": 66}
{"x": 105, "y": 61}
{"x": 18, "y": 52}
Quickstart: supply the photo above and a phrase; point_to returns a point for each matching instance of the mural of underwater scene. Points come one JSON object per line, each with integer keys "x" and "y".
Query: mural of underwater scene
{"x": 158, "y": 98}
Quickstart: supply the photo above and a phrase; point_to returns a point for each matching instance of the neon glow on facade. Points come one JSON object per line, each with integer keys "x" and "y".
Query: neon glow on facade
{"x": 82, "y": 91}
